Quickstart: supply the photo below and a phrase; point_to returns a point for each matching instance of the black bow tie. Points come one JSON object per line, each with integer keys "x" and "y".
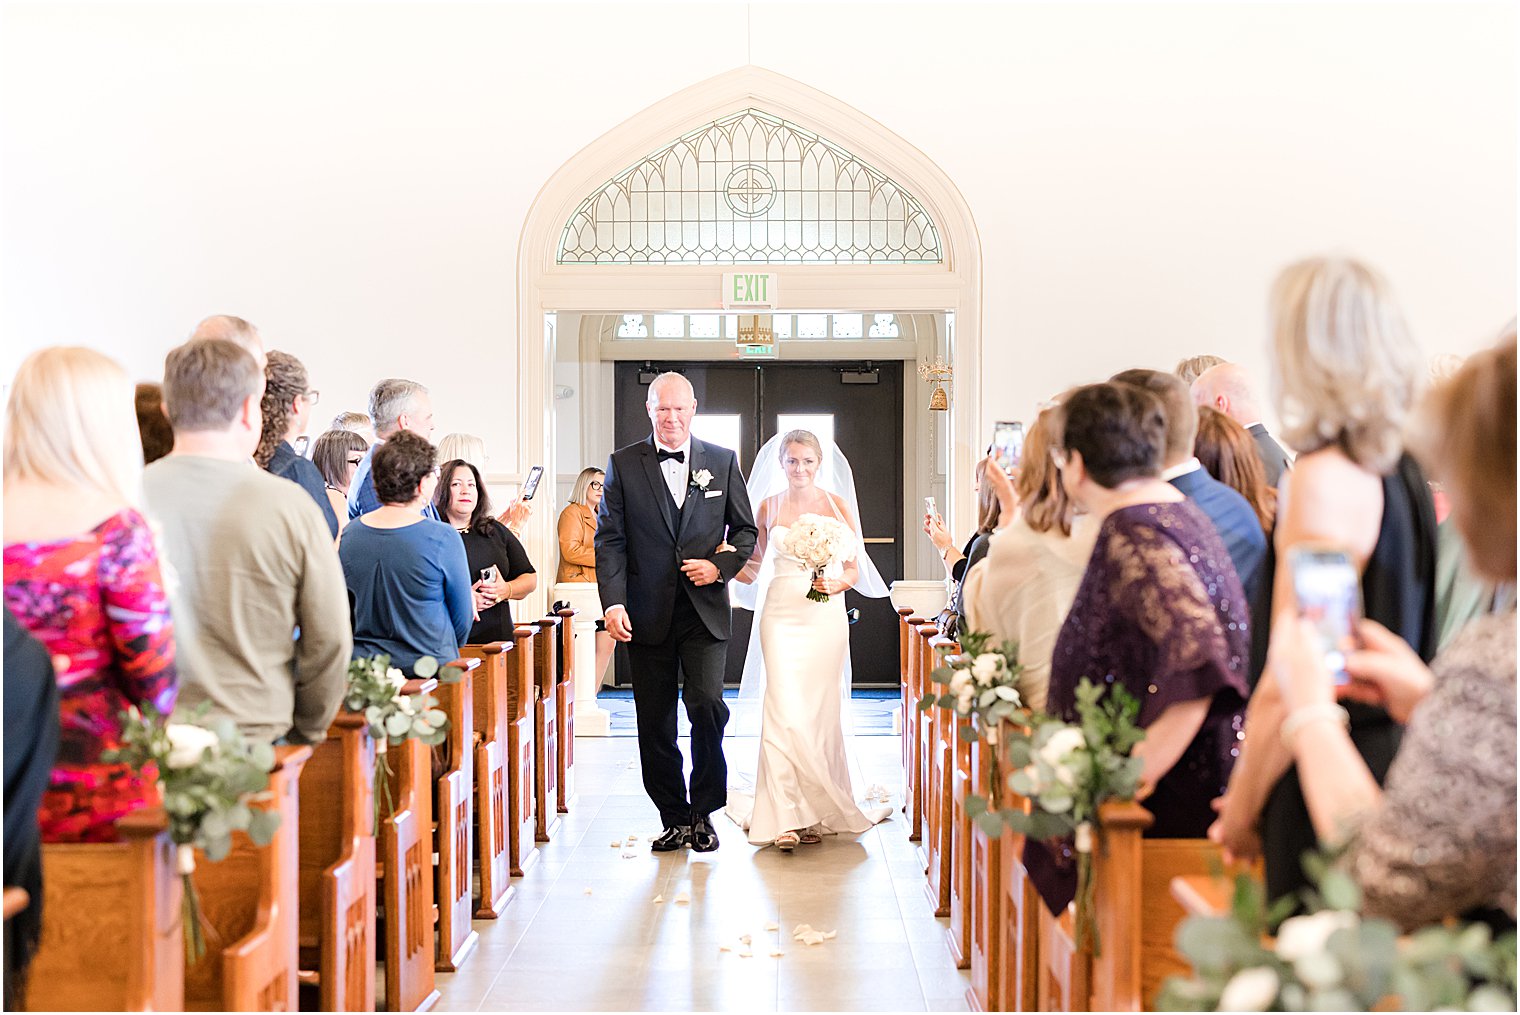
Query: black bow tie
{"x": 679, "y": 456}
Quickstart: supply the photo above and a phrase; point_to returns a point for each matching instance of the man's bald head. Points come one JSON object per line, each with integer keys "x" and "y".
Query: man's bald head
{"x": 232, "y": 329}
{"x": 672, "y": 404}
{"x": 1227, "y": 387}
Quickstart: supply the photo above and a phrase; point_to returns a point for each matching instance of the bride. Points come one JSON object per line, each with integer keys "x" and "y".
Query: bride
{"x": 798, "y": 665}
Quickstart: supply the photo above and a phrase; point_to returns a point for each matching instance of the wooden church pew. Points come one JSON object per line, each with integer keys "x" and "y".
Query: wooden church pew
{"x": 249, "y": 902}
{"x": 909, "y": 707}
{"x": 546, "y": 728}
{"x": 522, "y": 849}
{"x": 959, "y": 853}
{"x": 492, "y": 716}
{"x": 564, "y": 701}
{"x": 336, "y": 869}
{"x": 923, "y": 666}
{"x": 938, "y": 804}
{"x": 406, "y": 874}
{"x": 454, "y": 820}
{"x": 112, "y": 937}
{"x": 1013, "y": 916}
{"x": 1135, "y": 915}
{"x": 913, "y": 724}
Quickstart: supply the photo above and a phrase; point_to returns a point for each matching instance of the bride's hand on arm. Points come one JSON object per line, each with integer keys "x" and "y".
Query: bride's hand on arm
{"x": 751, "y": 569}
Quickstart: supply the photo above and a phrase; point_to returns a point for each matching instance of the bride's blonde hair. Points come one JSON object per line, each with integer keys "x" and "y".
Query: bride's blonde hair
{"x": 803, "y": 437}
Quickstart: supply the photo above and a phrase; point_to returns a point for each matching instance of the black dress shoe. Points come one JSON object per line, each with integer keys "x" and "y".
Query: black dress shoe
{"x": 673, "y": 838}
{"x": 704, "y": 839}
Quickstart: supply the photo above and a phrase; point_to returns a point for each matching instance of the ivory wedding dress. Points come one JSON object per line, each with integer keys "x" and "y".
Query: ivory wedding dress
{"x": 805, "y": 776}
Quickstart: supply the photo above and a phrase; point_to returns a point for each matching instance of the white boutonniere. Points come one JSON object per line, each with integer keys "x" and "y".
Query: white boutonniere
{"x": 700, "y": 479}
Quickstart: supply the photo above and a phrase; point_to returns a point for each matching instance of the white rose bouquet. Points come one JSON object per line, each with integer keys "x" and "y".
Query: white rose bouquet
{"x": 208, "y": 775}
{"x": 1335, "y": 959}
{"x": 981, "y": 682}
{"x": 822, "y": 544}
{"x": 375, "y": 688}
{"x": 1068, "y": 770}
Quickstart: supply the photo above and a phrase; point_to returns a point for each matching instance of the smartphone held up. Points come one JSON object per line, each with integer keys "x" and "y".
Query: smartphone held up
{"x": 1329, "y": 594}
{"x": 1007, "y": 447}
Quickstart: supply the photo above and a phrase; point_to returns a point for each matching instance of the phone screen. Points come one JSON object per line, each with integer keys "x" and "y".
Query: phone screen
{"x": 1329, "y": 595}
{"x": 1007, "y": 448}
{"x": 530, "y": 486}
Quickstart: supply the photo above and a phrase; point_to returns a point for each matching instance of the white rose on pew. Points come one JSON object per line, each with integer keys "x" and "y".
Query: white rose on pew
{"x": 188, "y": 744}
{"x": 964, "y": 697}
{"x": 1251, "y": 989}
{"x": 986, "y": 667}
{"x": 1303, "y": 936}
{"x": 396, "y": 678}
{"x": 959, "y": 681}
{"x": 1061, "y": 745}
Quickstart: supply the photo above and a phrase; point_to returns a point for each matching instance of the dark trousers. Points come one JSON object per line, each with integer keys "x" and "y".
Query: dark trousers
{"x": 688, "y": 663}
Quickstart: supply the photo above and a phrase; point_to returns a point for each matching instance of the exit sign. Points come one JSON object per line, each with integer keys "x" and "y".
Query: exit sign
{"x": 749, "y": 289}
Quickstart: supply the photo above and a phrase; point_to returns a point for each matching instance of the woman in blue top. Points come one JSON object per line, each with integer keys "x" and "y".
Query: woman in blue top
{"x": 408, "y": 579}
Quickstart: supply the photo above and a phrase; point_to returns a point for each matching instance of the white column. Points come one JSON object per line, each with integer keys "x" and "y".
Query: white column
{"x": 591, "y": 720}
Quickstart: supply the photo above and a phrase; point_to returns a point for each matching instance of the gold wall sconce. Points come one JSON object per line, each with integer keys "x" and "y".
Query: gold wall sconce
{"x": 940, "y": 374}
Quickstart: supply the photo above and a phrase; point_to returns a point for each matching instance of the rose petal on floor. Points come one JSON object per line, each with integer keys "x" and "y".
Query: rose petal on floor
{"x": 682, "y": 898}
{"x": 659, "y": 899}
{"x": 773, "y": 926}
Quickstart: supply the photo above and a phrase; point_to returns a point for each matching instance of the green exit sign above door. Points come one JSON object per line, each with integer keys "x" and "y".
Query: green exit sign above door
{"x": 749, "y": 289}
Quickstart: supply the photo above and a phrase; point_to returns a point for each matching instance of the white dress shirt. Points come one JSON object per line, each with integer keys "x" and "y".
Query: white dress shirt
{"x": 675, "y": 472}
{"x": 1181, "y": 469}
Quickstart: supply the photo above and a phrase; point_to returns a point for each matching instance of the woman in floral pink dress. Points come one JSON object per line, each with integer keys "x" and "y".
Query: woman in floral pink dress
{"x": 82, "y": 575}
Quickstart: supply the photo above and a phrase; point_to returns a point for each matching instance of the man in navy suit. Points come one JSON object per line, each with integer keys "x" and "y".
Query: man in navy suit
{"x": 1226, "y": 387}
{"x": 1230, "y": 512}
{"x": 667, "y": 503}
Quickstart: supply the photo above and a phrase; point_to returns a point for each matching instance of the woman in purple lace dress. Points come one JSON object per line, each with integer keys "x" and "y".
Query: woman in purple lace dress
{"x": 1160, "y": 612}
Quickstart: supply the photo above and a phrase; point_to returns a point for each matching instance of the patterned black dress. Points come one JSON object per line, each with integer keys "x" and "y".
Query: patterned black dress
{"x": 1160, "y": 612}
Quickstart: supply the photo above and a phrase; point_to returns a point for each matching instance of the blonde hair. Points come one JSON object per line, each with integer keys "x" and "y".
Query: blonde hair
{"x": 804, "y": 437}
{"x": 71, "y": 419}
{"x": 1042, "y": 496}
{"x": 583, "y": 484}
{"x": 1345, "y": 371}
{"x": 1189, "y": 369}
{"x": 465, "y": 447}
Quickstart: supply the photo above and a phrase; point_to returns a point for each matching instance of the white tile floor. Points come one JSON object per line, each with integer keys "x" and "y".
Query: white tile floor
{"x": 558, "y": 948}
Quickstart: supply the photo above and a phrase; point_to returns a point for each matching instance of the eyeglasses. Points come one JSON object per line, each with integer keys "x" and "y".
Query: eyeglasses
{"x": 356, "y": 461}
{"x": 593, "y": 485}
{"x": 312, "y": 397}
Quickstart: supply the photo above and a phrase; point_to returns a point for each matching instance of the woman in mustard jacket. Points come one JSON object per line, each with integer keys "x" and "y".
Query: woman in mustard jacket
{"x": 577, "y": 555}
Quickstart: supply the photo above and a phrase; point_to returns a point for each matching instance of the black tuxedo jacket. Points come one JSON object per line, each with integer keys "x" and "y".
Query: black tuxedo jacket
{"x": 642, "y": 537}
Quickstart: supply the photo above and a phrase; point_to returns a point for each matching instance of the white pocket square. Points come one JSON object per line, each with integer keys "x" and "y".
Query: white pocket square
{"x": 713, "y": 493}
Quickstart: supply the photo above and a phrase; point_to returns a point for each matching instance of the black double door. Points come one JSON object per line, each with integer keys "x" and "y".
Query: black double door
{"x": 742, "y": 405}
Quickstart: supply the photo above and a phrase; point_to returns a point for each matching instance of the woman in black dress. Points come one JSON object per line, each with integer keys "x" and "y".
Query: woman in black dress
{"x": 462, "y": 501}
{"x": 1160, "y": 612}
{"x": 1345, "y": 374}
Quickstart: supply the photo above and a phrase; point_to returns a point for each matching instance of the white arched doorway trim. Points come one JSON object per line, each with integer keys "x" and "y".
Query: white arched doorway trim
{"x": 543, "y": 285}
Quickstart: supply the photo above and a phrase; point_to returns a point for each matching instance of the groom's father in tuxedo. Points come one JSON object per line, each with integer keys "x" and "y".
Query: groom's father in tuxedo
{"x": 667, "y": 504}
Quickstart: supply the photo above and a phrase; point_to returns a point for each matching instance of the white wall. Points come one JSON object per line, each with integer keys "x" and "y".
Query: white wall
{"x": 353, "y": 178}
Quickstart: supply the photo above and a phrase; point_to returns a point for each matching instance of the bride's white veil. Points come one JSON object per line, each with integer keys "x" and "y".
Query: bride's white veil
{"x": 768, "y": 480}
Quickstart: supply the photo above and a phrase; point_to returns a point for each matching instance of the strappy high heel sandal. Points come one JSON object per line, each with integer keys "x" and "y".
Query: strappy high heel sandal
{"x": 810, "y": 836}
{"x": 787, "y": 841}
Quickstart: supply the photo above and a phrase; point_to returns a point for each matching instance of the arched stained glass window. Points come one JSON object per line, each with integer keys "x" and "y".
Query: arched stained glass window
{"x": 750, "y": 188}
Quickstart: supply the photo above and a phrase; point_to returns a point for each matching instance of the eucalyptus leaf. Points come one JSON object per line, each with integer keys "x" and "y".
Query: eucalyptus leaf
{"x": 262, "y": 827}
{"x": 991, "y": 824}
{"x": 425, "y": 667}
{"x": 216, "y": 848}
{"x": 974, "y": 805}
{"x": 396, "y": 725}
